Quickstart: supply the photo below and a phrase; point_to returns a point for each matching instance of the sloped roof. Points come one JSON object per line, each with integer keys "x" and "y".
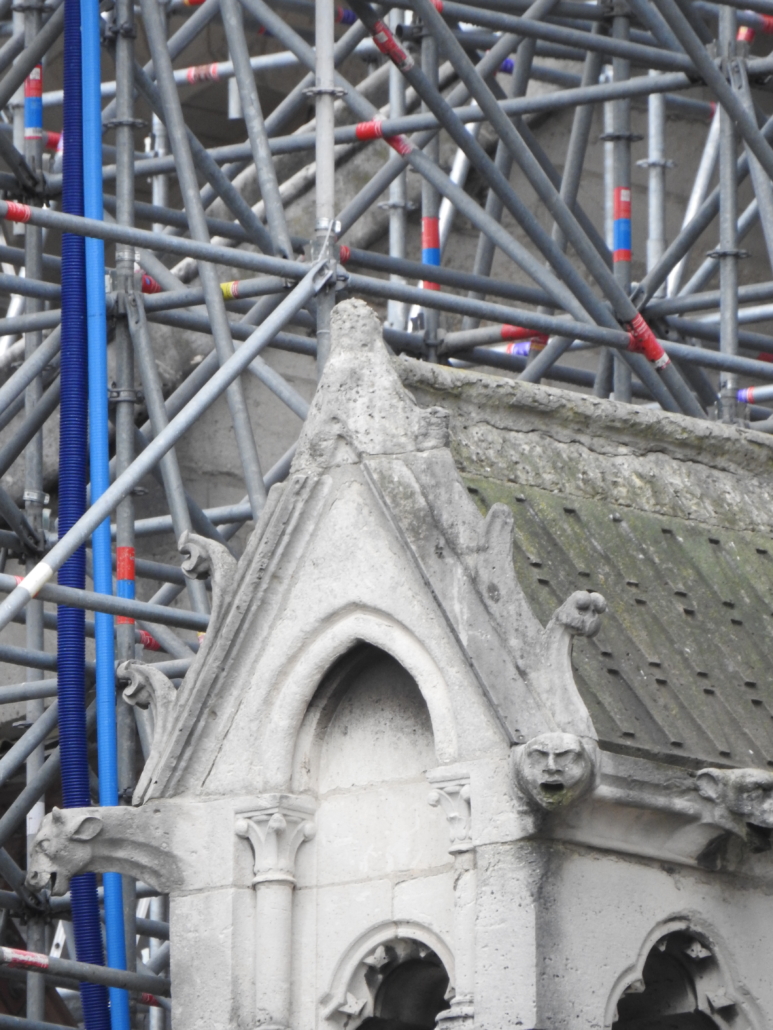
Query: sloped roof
{"x": 670, "y": 519}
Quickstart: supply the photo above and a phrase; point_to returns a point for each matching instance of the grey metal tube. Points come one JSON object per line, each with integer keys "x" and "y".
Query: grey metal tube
{"x": 256, "y": 130}
{"x": 325, "y": 229}
{"x": 31, "y": 425}
{"x": 708, "y": 268}
{"x": 219, "y": 382}
{"x": 516, "y": 87}
{"x": 137, "y": 982}
{"x": 31, "y": 55}
{"x": 700, "y": 301}
{"x": 762, "y": 185}
{"x": 238, "y": 513}
{"x": 113, "y": 605}
{"x": 154, "y": 399}
{"x": 175, "y": 45}
{"x": 16, "y": 812}
{"x": 729, "y": 100}
{"x": 24, "y": 691}
{"x": 32, "y": 738}
{"x": 446, "y": 276}
{"x": 570, "y": 184}
{"x": 698, "y": 193}
{"x": 728, "y": 217}
{"x": 362, "y": 108}
{"x": 621, "y": 181}
{"x": 531, "y": 168}
{"x": 647, "y": 56}
{"x": 141, "y": 238}
{"x": 160, "y": 96}
{"x": 430, "y": 198}
{"x": 214, "y": 297}
{"x": 398, "y": 195}
{"x": 691, "y": 232}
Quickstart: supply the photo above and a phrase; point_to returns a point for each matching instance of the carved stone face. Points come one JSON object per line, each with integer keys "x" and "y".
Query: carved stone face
{"x": 554, "y": 769}
{"x": 747, "y": 793}
{"x": 61, "y": 849}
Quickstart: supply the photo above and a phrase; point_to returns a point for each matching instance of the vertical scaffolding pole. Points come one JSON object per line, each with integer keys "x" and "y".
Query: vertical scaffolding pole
{"x": 213, "y": 295}
{"x": 656, "y": 165}
{"x": 33, "y": 475}
{"x": 516, "y": 87}
{"x": 698, "y": 193}
{"x": 430, "y": 203}
{"x": 160, "y": 146}
{"x": 728, "y": 216}
{"x": 124, "y": 397}
{"x": 325, "y": 235}
{"x": 621, "y": 196}
{"x": 99, "y": 462}
{"x": 398, "y": 194}
{"x": 72, "y": 502}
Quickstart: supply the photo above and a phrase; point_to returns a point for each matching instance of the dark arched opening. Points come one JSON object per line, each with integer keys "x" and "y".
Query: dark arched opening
{"x": 410, "y": 996}
{"x": 681, "y": 988}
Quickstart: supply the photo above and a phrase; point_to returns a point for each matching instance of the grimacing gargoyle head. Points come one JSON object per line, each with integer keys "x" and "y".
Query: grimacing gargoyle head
{"x": 747, "y": 793}
{"x": 61, "y": 849}
{"x": 554, "y": 769}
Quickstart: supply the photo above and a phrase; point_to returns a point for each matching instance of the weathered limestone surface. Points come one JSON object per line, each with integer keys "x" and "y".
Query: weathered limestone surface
{"x": 380, "y": 760}
{"x": 588, "y": 447}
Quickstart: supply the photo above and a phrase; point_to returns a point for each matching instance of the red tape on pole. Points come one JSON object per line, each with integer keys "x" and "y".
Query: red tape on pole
{"x": 389, "y": 46}
{"x": 642, "y": 341}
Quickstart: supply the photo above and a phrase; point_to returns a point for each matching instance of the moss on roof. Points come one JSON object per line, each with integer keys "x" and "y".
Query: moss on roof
{"x": 669, "y": 518}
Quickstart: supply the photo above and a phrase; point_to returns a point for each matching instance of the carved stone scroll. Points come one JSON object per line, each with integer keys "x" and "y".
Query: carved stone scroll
{"x": 149, "y": 688}
{"x": 453, "y": 797}
{"x": 205, "y": 558}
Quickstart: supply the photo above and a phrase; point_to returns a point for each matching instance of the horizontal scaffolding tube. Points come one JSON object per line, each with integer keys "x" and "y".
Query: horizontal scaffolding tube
{"x": 316, "y": 277}
{"x": 141, "y": 238}
{"x": 113, "y": 605}
{"x": 86, "y": 972}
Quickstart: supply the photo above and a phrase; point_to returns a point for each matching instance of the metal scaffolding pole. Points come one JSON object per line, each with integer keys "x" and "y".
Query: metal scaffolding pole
{"x": 565, "y": 291}
{"x": 728, "y": 253}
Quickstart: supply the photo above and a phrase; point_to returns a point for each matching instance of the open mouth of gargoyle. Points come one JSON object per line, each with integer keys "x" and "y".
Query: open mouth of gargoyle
{"x": 551, "y": 787}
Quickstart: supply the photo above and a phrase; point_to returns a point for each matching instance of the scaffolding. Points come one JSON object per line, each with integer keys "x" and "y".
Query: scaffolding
{"x": 566, "y": 309}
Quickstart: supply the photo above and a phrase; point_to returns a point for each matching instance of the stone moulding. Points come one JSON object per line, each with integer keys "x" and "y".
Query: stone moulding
{"x": 641, "y": 808}
{"x": 452, "y": 795}
{"x": 276, "y": 828}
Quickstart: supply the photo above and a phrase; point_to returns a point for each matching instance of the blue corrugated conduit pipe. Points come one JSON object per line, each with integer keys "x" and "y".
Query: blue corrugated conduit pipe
{"x": 107, "y": 752}
{"x": 71, "y": 649}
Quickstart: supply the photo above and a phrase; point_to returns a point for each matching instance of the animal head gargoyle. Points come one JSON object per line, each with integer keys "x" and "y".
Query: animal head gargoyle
{"x": 555, "y": 769}
{"x": 135, "y": 842}
{"x": 62, "y": 848}
{"x": 578, "y": 616}
{"x": 742, "y": 800}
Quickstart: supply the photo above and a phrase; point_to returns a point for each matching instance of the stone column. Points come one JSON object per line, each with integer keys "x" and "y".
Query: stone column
{"x": 452, "y": 794}
{"x": 275, "y": 829}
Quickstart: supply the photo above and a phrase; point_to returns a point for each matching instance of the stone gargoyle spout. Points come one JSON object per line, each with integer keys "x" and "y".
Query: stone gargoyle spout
{"x": 741, "y": 800}
{"x": 550, "y": 663}
{"x": 79, "y": 840}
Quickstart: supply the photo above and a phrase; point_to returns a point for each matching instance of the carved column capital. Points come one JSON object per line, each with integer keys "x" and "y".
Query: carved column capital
{"x": 276, "y": 828}
{"x": 452, "y": 794}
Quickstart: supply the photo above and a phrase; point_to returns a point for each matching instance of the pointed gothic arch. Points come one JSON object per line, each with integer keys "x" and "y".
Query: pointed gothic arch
{"x": 680, "y": 981}
{"x": 299, "y": 681}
